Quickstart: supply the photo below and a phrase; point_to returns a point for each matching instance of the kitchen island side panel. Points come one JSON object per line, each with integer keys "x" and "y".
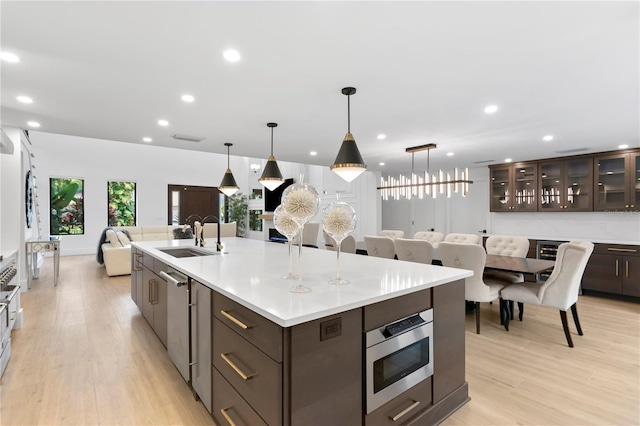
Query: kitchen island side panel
{"x": 325, "y": 371}
{"x": 448, "y": 339}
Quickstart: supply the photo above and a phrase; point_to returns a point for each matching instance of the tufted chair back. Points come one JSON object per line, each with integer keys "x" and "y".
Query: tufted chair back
{"x": 433, "y": 237}
{"x": 507, "y": 246}
{"x": 462, "y": 238}
{"x": 391, "y": 233}
{"x": 420, "y": 251}
{"x": 561, "y": 288}
{"x": 380, "y": 246}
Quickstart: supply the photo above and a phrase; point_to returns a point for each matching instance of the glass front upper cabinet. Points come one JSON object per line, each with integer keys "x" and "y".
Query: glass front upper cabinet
{"x": 513, "y": 187}
{"x": 565, "y": 185}
{"x": 616, "y": 183}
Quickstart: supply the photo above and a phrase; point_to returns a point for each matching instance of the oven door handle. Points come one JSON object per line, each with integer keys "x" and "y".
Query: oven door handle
{"x": 405, "y": 411}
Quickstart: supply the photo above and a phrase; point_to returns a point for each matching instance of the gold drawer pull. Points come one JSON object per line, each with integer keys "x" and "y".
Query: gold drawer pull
{"x": 623, "y": 250}
{"x": 226, "y": 416}
{"x": 138, "y": 254}
{"x": 405, "y": 411}
{"x": 136, "y": 269}
{"x": 235, "y": 367}
{"x": 235, "y": 320}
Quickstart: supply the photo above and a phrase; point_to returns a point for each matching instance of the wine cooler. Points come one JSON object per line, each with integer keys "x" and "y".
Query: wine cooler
{"x": 547, "y": 250}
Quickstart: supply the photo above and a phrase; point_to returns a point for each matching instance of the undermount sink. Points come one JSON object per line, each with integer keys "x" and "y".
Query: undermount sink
{"x": 187, "y": 252}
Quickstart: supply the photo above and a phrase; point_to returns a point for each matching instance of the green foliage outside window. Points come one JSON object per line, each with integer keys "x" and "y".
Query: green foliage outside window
{"x": 237, "y": 204}
{"x": 66, "y": 206}
{"x": 255, "y": 223}
{"x": 122, "y": 203}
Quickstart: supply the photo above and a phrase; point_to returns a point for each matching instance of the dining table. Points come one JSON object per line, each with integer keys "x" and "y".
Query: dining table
{"x": 523, "y": 265}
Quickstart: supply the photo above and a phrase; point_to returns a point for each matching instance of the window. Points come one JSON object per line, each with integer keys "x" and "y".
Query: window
{"x": 66, "y": 206}
{"x": 255, "y": 223}
{"x": 121, "y": 203}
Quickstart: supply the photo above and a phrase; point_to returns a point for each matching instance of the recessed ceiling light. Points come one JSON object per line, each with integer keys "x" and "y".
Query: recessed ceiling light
{"x": 508, "y": 160}
{"x": 624, "y": 146}
{"x": 490, "y": 109}
{"x": 548, "y": 138}
{"x": 449, "y": 154}
{"x": 313, "y": 153}
{"x": 381, "y": 136}
{"x": 188, "y": 98}
{"x": 24, "y": 99}
{"x": 381, "y": 164}
{"x": 33, "y": 124}
{"x": 9, "y": 57}
{"x": 147, "y": 139}
{"x": 163, "y": 122}
{"x": 231, "y": 55}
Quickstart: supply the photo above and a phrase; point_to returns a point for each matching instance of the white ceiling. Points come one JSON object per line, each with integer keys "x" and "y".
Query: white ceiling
{"x": 424, "y": 71}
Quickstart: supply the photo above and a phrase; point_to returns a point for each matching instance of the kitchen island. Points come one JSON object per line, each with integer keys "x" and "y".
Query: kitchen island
{"x": 276, "y": 357}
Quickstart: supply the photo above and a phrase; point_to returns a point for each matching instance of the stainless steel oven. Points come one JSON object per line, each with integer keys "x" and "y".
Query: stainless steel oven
{"x": 398, "y": 356}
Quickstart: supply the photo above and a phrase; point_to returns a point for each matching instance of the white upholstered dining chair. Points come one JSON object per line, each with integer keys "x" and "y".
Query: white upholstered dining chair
{"x": 476, "y": 289}
{"x": 560, "y": 291}
{"x": 434, "y": 238}
{"x": 506, "y": 246}
{"x": 348, "y": 245}
{"x": 462, "y": 238}
{"x": 391, "y": 233}
{"x": 380, "y": 246}
{"x": 420, "y": 251}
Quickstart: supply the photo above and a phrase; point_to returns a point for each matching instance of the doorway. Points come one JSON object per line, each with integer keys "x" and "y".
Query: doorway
{"x": 185, "y": 200}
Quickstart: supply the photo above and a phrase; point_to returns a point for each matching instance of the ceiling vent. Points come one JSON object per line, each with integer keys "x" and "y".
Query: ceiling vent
{"x": 187, "y": 138}
{"x": 483, "y": 161}
{"x": 571, "y": 151}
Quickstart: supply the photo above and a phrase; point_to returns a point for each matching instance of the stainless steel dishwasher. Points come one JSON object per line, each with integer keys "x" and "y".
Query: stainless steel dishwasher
{"x": 178, "y": 317}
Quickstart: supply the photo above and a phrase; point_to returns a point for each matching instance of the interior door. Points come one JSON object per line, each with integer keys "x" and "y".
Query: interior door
{"x": 185, "y": 200}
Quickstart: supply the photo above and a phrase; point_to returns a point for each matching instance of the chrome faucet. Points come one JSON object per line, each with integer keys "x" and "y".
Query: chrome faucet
{"x": 199, "y": 237}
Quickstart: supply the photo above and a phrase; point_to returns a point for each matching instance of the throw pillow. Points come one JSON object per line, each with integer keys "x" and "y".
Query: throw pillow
{"x": 182, "y": 233}
{"x": 113, "y": 238}
{"x": 124, "y": 240}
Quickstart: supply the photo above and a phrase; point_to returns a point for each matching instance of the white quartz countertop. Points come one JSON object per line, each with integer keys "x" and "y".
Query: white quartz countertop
{"x": 250, "y": 273}
{"x": 7, "y": 255}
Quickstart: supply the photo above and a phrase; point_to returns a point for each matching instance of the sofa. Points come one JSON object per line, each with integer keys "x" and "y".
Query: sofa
{"x": 116, "y": 250}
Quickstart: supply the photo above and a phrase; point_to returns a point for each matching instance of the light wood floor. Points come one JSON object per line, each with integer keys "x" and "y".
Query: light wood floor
{"x": 85, "y": 356}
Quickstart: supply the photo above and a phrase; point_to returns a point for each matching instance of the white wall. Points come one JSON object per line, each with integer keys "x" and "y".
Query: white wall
{"x": 153, "y": 168}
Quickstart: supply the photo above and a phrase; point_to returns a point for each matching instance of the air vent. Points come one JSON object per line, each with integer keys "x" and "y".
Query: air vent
{"x": 483, "y": 161}
{"x": 571, "y": 151}
{"x": 187, "y": 138}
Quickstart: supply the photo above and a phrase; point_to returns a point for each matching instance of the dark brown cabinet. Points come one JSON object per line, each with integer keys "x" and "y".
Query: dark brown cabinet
{"x": 614, "y": 269}
{"x": 513, "y": 187}
{"x": 617, "y": 182}
{"x": 566, "y": 185}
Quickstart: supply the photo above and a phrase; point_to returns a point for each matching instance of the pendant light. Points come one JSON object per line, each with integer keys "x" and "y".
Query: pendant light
{"x": 228, "y": 186}
{"x": 271, "y": 177}
{"x": 349, "y": 163}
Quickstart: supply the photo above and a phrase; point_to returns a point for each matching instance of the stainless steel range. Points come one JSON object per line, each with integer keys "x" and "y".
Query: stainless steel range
{"x": 9, "y": 301}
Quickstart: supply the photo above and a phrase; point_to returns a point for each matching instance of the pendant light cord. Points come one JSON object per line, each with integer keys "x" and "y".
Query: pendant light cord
{"x": 228, "y": 148}
{"x": 272, "y": 141}
{"x": 349, "y": 114}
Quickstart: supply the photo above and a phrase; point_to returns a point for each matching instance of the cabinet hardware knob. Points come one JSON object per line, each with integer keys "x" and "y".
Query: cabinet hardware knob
{"x": 235, "y": 367}
{"x": 617, "y": 264}
{"x": 226, "y": 416}
{"x": 235, "y": 320}
{"x": 405, "y": 411}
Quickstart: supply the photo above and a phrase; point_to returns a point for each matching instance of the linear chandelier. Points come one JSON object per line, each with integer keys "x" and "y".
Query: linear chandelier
{"x": 427, "y": 185}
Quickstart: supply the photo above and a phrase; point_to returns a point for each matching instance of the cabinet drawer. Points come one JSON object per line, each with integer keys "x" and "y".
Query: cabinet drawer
{"x": 229, "y": 405}
{"x": 147, "y": 261}
{"x": 381, "y": 313}
{"x": 159, "y": 266}
{"x": 266, "y": 335}
{"x": 405, "y": 408}
{"x": 261, "y": 385}
{"x": 617, "y": 249}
